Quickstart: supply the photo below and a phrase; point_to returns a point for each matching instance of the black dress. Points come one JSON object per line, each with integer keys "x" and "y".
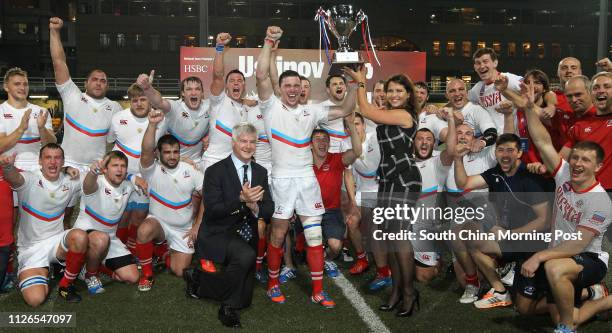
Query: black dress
{"x": 400, "y": 178}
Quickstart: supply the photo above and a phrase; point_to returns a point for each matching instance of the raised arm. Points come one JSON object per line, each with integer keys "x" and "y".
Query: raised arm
{"x": 451, "y": 145}
{"x": 264, "y": 85}
{"x": 157, "y": 102}
{"x": 537, "y": 131}
{"x": 346, "y": 108}
{"x": 218, "y": 83}
{"x": 147, "y": 156}
{"x": 90, "y": 182}
{"x": 349, "y": 156}
{"x": 58, "y": 57}
{"x": 389, "y": 117}
{"x": 12, "y": 176}
{"x": 9, "y": 140}
{"x": 274, "y": 69}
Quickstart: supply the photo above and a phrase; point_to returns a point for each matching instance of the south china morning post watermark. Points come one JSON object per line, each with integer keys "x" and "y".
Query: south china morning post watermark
{"x": 459, "y": 215}
{"x": 37, "y": 319}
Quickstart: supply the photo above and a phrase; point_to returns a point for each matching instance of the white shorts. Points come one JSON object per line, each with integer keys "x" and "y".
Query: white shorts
{"x": 427, "y": 258}
{"x": 174, "y": 236}
{"x": 116, "y": 249}
{"x": 366, "y": 199}
{"x": 41, "y": 254}
{"x": 300, "y": 194}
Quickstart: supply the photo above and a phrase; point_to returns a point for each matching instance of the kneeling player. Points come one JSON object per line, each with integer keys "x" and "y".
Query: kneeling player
{"x": 171, "y": 212}
{"x": 105, "y": 200}
{"x": 43, "y": 197}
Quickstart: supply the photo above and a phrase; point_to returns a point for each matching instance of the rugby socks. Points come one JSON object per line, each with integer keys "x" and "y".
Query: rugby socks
{"x": 89, "y": 273}
{"x": 300, "y": 242}
{"x": 11, "y": 260}
{"x": 122, "y": 234}
{"x": 362, "y": 256}
{"x": 275, "y": 255}
{"x": 261, "y": 253}
{"x": 160, "y": 250}
{"x": 74, "y": 262}
{"x": 383, "y": 271}
{"x": 105, "y": 270}
{"x": 314, "y": 257}
{"x": 131, "y": 238}
{"x": 472, "y": 279}
{"x": 144, "y": 252}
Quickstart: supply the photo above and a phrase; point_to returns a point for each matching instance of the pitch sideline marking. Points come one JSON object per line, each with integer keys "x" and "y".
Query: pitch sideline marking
{"x": 363, "y": 310}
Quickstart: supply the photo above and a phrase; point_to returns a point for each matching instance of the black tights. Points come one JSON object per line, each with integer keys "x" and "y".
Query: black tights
{"x": 401, "y": 262}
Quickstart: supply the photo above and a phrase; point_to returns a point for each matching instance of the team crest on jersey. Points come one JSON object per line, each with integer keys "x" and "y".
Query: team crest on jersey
{"x": 163, "y": 170}
{"x": 122, "y": 121}
{"x": 186, "y": 174}
{"x": 83, "y": 99}
{"x": 306, "y": 113}
{"x": 108, "y": 108}
{"x": 598, "y": 218}
{"x": 107, "y": 191}
{"x": 370, "y": 149}
{"x": 8, "y": 116}
{"x": 65, "y": 188}
{"x": 185, "y": 114}
{"x": 567, "y": 187}
{"x": 259, "y": 116}
{"x": 40, "y": 183}
{"x": 318, "y": 205}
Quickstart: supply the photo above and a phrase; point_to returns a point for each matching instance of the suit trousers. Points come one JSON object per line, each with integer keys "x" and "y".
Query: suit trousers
{"x": 233, "y": 284}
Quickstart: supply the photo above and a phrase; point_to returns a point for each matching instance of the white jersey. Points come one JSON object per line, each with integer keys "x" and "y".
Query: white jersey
{"x": 104, "y": 207}
{"x": 263, "y": 150}
{"x": 366, "y": 166}
{"x": 477, "y": 118}
{"x": 489, "y": 98}
{"x": 339, "y": 140}
{"x": 433, "y": 178}
{"x": 289, "y": 131}
{"x": 225, "y": 113}
{"x": 41, "y": 206}
{"x": 86, "y": 124}
{"x": 170, "y": 192}
{"x": 28, "y": 146}
{"x": 189, "y": 127}
{"x": 127, "y": 131}
{"x": 590, "y": 209}
{"x": 432, "y": 123}
{"x": 474, "y": 164}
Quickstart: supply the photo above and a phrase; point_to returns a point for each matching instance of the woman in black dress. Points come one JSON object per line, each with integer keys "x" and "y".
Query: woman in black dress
{"x": 400, "y": 179}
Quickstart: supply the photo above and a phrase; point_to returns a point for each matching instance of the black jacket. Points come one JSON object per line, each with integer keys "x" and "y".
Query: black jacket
{"x": 224, "y": 212}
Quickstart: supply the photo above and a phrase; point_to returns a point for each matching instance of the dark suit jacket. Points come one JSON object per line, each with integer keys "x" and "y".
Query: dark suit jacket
{"x": 224, "y": 212}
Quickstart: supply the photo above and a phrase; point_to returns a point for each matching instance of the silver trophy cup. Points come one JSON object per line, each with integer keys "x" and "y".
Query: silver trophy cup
{"x": 342, "y": 21}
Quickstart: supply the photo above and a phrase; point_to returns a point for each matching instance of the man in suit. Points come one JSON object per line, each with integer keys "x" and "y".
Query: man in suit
{"x": 236, "y": 194}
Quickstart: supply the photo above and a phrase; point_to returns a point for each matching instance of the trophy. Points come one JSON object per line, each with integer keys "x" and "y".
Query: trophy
{"x": 342, "y": 21}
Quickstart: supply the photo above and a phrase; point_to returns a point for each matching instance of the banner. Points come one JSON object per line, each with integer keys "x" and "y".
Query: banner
{"x": 198, "y": 61}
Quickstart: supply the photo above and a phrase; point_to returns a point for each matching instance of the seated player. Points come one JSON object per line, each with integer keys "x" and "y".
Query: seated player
{"x": 43, "y": 197}
{"x": 106, "y": 193}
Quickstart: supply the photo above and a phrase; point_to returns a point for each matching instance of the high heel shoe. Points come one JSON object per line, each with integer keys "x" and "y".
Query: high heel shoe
{"x": 390, "y": 307}
{"x": 416, "y": 303}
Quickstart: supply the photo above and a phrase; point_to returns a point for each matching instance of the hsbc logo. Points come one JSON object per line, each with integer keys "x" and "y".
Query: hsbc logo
{"x": 195, "y": 68}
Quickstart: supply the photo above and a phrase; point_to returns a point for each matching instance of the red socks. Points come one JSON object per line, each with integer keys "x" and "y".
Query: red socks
{"x": 314, "y": 257}
{"x": 472, "y": 279}
{"x": 300, "y": 242}
{"x": 275, "y": 255}
{"x": 383, "y": 271}
{"x": 144, "y": 252}
{"x": 261, "y": 253}
{"x": 122, "y": 234}
{"x": 131, "y": 238}
{"x": 74, "y": 262}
